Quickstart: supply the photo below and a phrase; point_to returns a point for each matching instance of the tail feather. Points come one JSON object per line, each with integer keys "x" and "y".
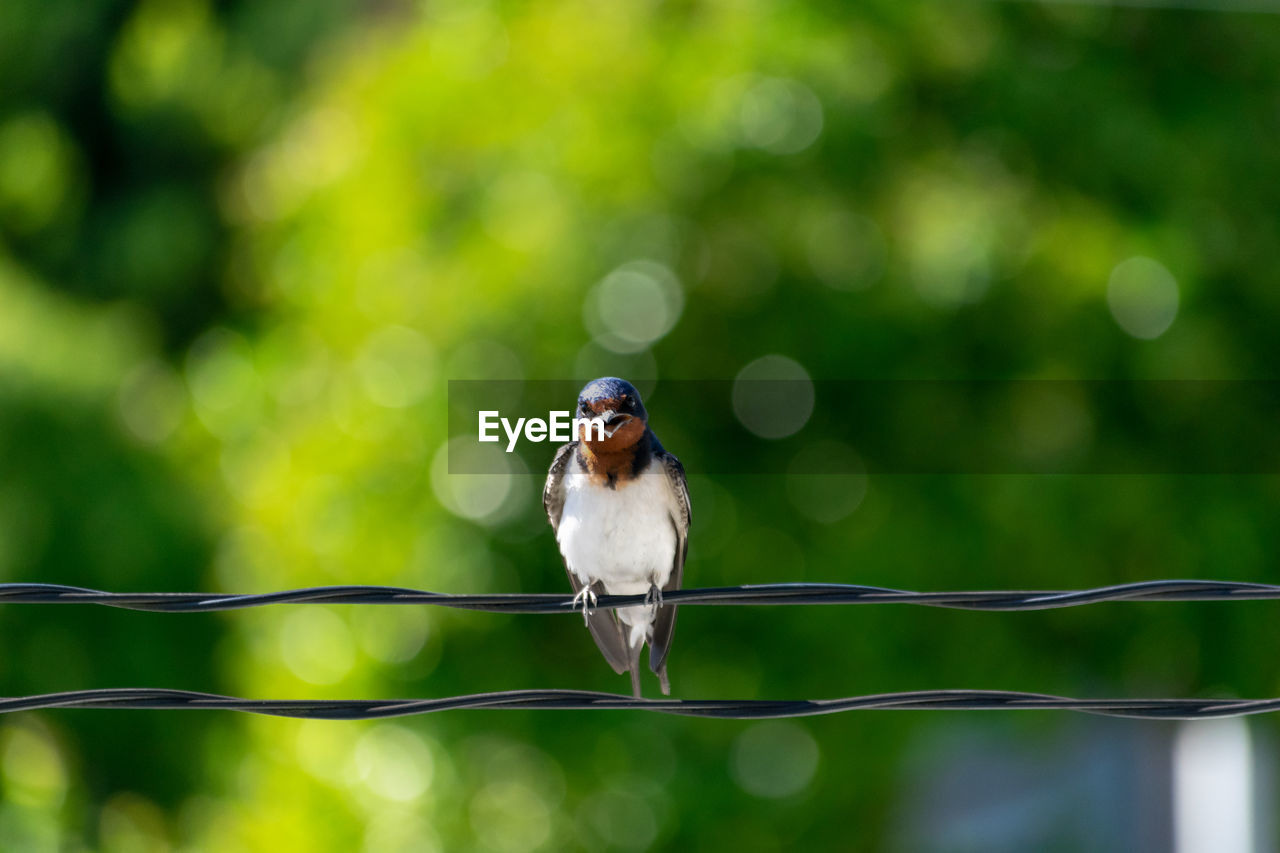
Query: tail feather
{"x": 633, "y": 665}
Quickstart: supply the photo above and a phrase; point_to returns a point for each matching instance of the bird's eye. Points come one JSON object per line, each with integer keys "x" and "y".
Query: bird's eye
{"x": 584, "y": 408}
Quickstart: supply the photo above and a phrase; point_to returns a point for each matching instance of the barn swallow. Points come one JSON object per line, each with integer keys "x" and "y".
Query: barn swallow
{"x": 619, "y": 506}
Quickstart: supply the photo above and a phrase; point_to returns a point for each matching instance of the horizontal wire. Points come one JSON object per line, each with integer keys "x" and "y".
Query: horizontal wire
{"x": 577, "y": 700}
{"x": 760, "y": 594}
{"x": 764, "y": 594}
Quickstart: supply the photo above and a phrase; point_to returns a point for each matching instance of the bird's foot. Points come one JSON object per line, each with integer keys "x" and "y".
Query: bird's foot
{"x": 653, "y": 597}
{"x": 587, "y": 598}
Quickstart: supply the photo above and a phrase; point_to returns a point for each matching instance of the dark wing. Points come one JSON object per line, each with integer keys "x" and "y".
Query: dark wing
{"x": 604, "y": 626}
{"x": 608, "y": 633}
{"x": 553, "y": 489}
{"x": 665, "y": 625}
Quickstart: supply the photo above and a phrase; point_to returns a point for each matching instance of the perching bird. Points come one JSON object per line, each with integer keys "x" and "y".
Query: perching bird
{"x": 620, "y": 510}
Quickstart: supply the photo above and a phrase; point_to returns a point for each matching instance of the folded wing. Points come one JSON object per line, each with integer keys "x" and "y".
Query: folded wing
{"x": 664, "y": 625}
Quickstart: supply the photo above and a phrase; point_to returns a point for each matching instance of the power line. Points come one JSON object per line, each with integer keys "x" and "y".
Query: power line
{"x": 758, "y": 594}
{"x": 580, "y": 700}
{"x": 763, "y": 594}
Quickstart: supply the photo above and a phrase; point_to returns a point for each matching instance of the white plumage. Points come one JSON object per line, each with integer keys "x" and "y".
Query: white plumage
{"x": 622, "y": 537}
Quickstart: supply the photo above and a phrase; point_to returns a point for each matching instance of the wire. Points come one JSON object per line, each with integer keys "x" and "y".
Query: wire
{"x": 763, "y": 594}
{"x": 577, "y": 700}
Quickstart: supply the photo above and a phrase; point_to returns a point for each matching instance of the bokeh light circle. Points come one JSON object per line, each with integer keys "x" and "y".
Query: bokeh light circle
{"x": 394, "y": 763}
{"x": 510, "y": 816}
{"x": 480, "y": 482}
{"x": 773, "y": 396}
{"x": 774, "y": 759}
{"x": 633, "y": 306}
{"x": 317, "y": 645}
{"x": 780, "y": 116}
{"x": 1143, "y": 297}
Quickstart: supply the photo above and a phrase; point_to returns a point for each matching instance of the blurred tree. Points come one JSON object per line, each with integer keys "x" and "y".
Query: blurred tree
{"x": 556, "y": 190}
{"x": 116, "y": 122}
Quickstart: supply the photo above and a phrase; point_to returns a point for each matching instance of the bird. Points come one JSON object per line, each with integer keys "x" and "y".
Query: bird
{"x": 618, "y": 503}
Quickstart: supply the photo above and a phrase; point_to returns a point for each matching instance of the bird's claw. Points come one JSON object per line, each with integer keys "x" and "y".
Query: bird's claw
{"x": 653, "y": 597}
{"x": 587, "y": 598}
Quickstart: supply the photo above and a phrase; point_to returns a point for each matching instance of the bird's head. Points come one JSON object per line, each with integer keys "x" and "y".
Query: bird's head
{"x": 618, "y": 404}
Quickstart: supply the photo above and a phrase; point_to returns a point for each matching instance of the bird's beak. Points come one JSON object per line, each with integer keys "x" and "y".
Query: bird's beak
{"x": 613, "y": 421}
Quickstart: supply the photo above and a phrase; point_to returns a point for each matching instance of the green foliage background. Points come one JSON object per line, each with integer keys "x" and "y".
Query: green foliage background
{"x": 243, "y": 247}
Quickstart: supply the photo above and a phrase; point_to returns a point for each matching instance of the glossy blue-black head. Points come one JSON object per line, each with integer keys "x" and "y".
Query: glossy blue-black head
{"x": 614, "y": 399}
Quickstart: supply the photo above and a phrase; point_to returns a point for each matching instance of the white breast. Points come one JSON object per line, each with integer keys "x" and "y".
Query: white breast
{"x": 622, "y": 537}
